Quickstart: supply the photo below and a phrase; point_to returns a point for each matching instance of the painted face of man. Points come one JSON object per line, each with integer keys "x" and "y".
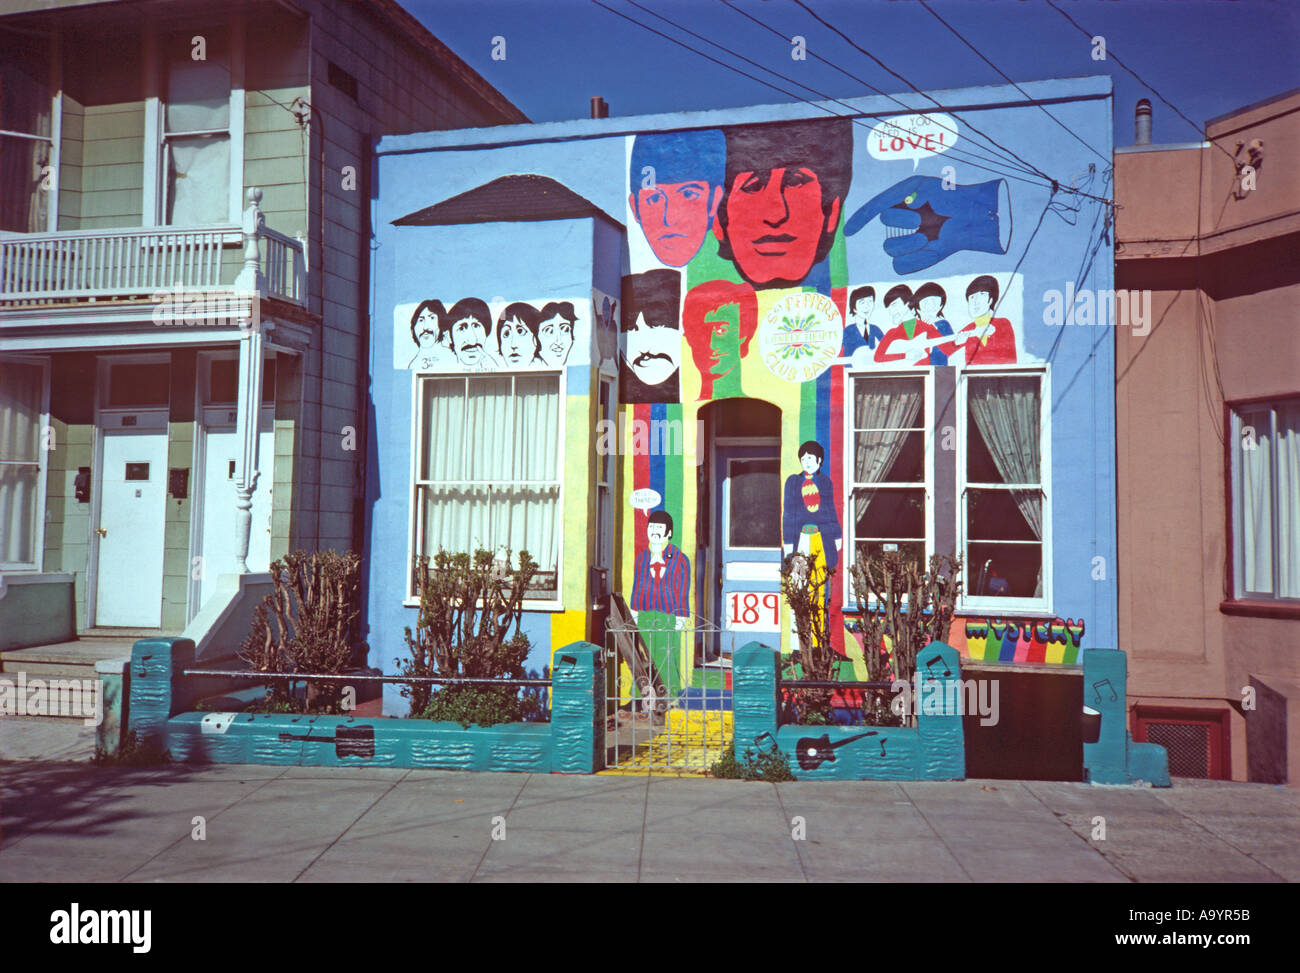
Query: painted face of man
{"x": 899, "y": 311}
{"x": 518, "y": 345}
{"x": 930, "y": 308}
{"x": 652, "y": 352}
{"x": 979, "y": 304}
{"x": 675, "y": 217}
{"x": 467, "y": 338}
{"x": 724, "y": 340}
{"x": 657, "y": 536}
{"x": 862, "y": 310}
{"x": 775, "y": 223}
{"x": 810, "y": 463}
{"x": 426, "y": 328}
{"x": 556, "y": 337}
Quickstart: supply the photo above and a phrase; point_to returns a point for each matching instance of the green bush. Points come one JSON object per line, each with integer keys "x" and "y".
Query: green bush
{"x": 770, "y": 766}
{"x": 484, "y": 705}
{"x": 132, "y": 753}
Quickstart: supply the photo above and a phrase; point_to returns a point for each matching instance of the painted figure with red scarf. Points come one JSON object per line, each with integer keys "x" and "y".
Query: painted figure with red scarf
{"x": 661, "y": 591}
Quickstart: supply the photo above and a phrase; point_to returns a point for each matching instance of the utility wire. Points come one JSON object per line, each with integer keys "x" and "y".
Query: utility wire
{"x": 1115, "y": 57}
{"x": 852, "y": 43}
{"x": 963, "y": 154}
{"x": 867, "y": 84}
{"x": 1007, "y": 78}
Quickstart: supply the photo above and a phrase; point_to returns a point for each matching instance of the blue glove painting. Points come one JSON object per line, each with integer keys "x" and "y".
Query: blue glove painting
{"x": 928, "y": 223}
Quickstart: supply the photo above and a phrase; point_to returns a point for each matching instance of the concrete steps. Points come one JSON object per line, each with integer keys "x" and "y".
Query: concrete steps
{"x": 63, "y": 661}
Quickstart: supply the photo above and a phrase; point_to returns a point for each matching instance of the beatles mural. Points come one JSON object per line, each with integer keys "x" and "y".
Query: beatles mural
{"x": 755, "y": 271}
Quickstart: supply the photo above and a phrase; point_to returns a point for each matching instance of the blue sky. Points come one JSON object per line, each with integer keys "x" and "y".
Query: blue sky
{"x": 1207, "y": 58}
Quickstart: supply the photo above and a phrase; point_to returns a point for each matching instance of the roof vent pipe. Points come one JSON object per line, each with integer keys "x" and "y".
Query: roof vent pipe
{"x": 1142, "y": 122}
{"x": 598, "y": 107}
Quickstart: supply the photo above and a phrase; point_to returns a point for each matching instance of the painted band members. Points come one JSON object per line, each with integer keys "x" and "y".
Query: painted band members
{"x": 986, "y": 340}
{"x": 675, "y": 181}
{"x": 660, "y": 602}
{"x": 860, "y": 332}
{"x": 784, "y": 190}
{"x": 462, "y": 339}
{"x": 651, "y": 338}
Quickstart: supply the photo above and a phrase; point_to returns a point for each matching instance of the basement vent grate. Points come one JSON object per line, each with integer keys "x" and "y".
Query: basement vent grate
{"x": 1188, "y": 745}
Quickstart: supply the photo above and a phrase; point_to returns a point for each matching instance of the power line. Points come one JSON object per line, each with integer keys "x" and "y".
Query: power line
{"x": 1115, "y": 57}
{"x": 869, "y": 85}
{"x": 1007, "y": 78}
{"x": 851, "y": 108}
{"x": 852, "y": 43}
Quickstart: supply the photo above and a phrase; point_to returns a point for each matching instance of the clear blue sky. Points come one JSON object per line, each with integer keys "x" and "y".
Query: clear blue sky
{"x": 1207, "y": 58}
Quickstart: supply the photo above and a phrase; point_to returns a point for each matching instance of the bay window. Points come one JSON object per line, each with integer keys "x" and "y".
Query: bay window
{"x": 1005, "y": 545}
{"x": 488, "y": 469}
{"x": 24, "y": 390}
{"x": 1265, "y": 501}
{"x": 890, "y": 472}
{"x": 26, "y": 138}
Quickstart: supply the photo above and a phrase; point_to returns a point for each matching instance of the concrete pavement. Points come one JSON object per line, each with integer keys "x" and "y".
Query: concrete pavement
{"x": 72, "y": 822}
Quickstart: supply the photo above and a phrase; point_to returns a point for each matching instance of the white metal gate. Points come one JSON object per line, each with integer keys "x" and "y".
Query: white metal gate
{"x": 667, "y": 705}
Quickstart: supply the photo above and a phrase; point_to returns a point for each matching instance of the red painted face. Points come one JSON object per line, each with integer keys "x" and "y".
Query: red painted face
{"x": 675, "y": 217}
{"x": 775, "y": 223}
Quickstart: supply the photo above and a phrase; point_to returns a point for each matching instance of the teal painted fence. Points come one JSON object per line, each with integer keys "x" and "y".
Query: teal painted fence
{"x": 161, "y": 701}
{"x": 932, "y": 750}
{"x": 1115, "y": 758}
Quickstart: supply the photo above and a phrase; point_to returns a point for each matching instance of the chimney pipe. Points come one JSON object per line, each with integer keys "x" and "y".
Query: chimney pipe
{"x": 1142, "y": 122}
{"x": 598, "y": 107}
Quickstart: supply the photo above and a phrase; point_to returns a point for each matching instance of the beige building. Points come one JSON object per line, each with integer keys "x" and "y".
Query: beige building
{"x": 1208, "y": 430}
{"x": 184, "y": 226}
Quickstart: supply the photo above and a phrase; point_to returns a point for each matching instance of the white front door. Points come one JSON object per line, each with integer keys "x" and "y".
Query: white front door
{"x": 221, "y": 451}
{"x": 132, "y": 511}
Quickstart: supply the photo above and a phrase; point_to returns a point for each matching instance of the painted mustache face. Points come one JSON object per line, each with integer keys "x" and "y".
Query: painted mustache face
{"x": 652, "y": 352}
{"x": 556, "y": 338}
{"x": 467, "y": 336}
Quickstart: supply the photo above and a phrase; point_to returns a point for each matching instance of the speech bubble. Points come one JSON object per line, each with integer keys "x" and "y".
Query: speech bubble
{"x": 645, "y": 499}
{"x": 914, "y": 137}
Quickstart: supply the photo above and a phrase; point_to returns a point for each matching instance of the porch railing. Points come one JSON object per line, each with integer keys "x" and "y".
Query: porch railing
{"x": 142, "y": 261}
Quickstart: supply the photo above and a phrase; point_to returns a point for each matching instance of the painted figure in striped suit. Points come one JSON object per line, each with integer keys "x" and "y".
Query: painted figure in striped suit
{"x": 661, "y": 591}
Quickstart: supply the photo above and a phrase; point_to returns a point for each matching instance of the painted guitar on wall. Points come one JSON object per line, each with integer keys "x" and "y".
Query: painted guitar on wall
{"x": 812, "y": 752}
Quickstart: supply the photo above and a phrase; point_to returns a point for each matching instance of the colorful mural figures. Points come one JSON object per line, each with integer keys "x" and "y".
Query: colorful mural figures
{"x": 927, "y": 221}
{"x": 785, "y": 186}
{"x": 810, "y": 522}
{"x": 660, "y": 602}
{"x": 651, "y": 338}
{"x": 989, "y": 340}
{"x": 675, "y": 182}
{"x": 463, "y": 339}
{"x": 860, "y": 332}
{"x": 720, "y": 320}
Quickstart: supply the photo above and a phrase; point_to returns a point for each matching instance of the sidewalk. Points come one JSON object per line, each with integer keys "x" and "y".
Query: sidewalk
{"x": 66, "y": 821}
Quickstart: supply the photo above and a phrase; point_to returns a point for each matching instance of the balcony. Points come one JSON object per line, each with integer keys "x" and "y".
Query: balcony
{"x": 144, "y": 262}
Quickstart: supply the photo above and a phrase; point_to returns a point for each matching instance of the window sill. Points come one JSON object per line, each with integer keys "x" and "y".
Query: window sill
{"x": 1261, "y": 609}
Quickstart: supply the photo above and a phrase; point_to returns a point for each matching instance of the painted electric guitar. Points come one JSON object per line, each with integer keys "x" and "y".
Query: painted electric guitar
{"x": 349, "y": 741}
{"x": 812, "y": 752}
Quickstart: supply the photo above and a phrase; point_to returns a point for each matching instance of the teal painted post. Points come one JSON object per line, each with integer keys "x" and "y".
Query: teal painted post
{"x": 114, "y": 676}
{"x": 1105, "y": 679}
{"x": 155, "y": 685}
{"x": 943, "y": 744}
{"x": 578, "y": 710}
{"x": 755, "y": 675}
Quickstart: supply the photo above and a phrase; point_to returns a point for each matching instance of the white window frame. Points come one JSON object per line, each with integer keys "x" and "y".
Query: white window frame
{"x": 154, "y": 211}
{"x": 848, "y": 527}
{"x": 1239, "y": 591}
{"x": 997, "y": 606}
{"x": 411, "y": 600}
{"x": 36, "y": 566}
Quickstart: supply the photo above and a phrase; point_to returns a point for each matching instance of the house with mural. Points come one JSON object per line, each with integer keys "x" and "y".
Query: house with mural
{"x": 662, "y": 353}
{"x": 183, "y": 295}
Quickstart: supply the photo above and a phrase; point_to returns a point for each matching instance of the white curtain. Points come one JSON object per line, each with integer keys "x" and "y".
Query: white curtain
{"x": 493, "y": 443}
{"x": 1007, "y": 411}
{"x": 882, "y": 404}
{"x": 1256, "y": 506}
{"x": 22, "y": 394}
{"x": 198, "y": 179}
{"x": 1288, "y": 506}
